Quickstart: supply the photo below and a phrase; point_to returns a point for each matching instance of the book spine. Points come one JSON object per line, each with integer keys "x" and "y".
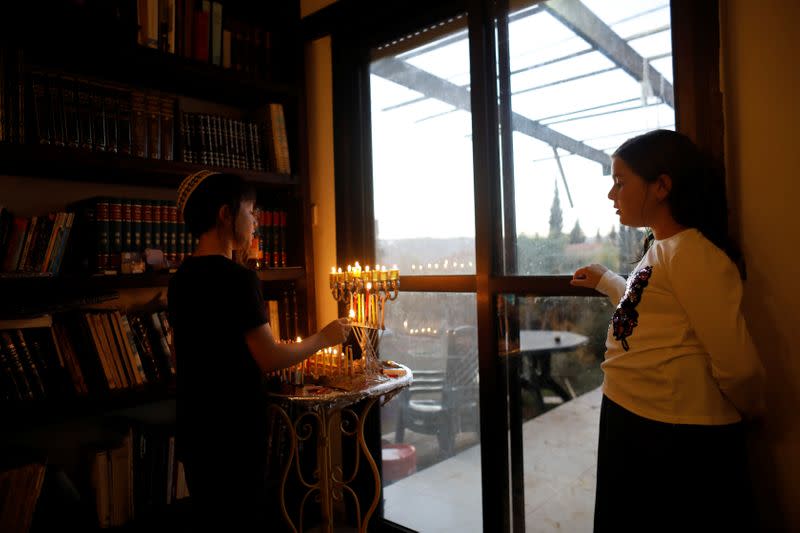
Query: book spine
{"x": 136, "y": 212}
{"x": 139, "y": 140}
{"x": 172, "y": 248}
{"x": 31, "y": 370}
{"x": 41, "y": 109}
{"x": 85, "y": 119}
{"x": 276, "y": 238}
{"x": 124, "y": 133}
{"x": 163, "y": 206}
{"x": 20, "y": 380}
{"x": 103, "y": 224}
{"x": 115, "y": 224}
{"x": 153, "y": 109}
{"x": 147, "y": 224}
{"x": 111, "y": 119}
{"x": 127, "y": 225}
{"x": 167, "y": 128}
{"x": 284, "y": 216}
{"x": 157, "y": 225}
{"x": 99, "y": 116}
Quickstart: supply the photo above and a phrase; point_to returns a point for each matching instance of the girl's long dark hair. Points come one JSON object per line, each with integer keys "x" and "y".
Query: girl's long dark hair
{"x": 697, "y": 198}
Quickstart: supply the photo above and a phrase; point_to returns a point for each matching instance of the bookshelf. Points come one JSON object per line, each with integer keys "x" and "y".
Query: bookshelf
{"x": 51, "y": 53}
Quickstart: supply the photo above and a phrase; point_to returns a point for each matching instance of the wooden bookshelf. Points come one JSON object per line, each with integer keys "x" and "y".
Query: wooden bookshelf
{"x": 95, "y": 44}
{"x": 74, "y": 164}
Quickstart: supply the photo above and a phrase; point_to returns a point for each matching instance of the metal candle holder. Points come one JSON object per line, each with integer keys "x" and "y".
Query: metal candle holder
{"x": 366, "y": 293}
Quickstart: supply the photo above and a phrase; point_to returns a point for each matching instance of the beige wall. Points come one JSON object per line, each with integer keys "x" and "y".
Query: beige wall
{"x": 761, "y": 86}
{"x": 319, "y": 99}
{"x": 320, "y": 149}
{"x": 309, "y": 6}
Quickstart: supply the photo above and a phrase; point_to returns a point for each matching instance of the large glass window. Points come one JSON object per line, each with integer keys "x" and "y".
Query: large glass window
{"x": 422, "y": 154}
{"x": 583, "y": 76}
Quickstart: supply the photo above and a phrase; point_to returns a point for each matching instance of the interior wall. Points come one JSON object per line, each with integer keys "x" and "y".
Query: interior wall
{"x": 310, "y": 6}
{"x": 760, "y": 85}
{"x": 319, "y": 94}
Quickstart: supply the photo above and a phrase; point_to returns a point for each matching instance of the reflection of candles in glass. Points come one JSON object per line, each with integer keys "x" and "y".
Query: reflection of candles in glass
{"x": 333, "y": 277}
{"x": 394, "y": 273}
{"x": 339, "y": 275}
{"x": 384, "y": 275}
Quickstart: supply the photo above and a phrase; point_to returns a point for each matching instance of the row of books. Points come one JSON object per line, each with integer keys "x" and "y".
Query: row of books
{"x": 202, "y": 30}
{"x": 109, "y": 227}
{"x": 103, "y": 117}
{"x": 33, "y": 244}
{"x": 132, "y": 474}
{"x": 20, "y": 487}
{"x": 268, "y": 246}
{"x": 219, "y": 141}
{"x": 83, "y": 353}
{"x": 12, "y": 100}
{"x": 251, "y": 144}
{"x": 132, "y": 478}
{"x": 283, "y": 315}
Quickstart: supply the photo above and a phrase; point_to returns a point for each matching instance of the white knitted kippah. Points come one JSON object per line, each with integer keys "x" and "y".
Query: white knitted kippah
{"x": 188, "y": 186}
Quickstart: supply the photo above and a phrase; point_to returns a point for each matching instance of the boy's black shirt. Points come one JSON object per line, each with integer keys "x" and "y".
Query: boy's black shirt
{"x": 213, "y": 301}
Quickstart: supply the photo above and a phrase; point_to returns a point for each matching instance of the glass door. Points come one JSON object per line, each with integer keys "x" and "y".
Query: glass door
{"x": 425, "y": 224}
{"x": 581, "y": 78}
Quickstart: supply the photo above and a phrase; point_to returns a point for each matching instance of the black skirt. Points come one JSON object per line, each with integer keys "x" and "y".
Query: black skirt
{"x": 653, "y": 476}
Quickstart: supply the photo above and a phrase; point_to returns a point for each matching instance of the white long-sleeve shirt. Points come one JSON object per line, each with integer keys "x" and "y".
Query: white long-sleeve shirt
{"x": 678, "y": 349}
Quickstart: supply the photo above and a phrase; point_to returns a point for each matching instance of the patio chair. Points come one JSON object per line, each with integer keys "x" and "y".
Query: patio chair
{"x": 444, "y": 403}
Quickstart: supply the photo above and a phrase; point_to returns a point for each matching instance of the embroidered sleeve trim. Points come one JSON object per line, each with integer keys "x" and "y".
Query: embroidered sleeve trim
{"x": 626, "y": 317}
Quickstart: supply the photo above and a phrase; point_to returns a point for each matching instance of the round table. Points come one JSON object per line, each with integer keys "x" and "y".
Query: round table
{"x": 540, "y": 345}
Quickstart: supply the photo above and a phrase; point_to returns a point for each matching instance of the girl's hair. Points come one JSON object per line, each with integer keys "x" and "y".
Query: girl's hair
{"x": 697, "y": 198}
{"x": 217, "y": 190}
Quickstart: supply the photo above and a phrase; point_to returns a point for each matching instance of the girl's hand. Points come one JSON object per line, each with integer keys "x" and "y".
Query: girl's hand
{"x": 588, "y": 276}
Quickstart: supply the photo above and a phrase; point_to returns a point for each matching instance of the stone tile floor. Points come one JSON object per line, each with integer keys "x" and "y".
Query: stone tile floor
{"x": 560, "y": 450}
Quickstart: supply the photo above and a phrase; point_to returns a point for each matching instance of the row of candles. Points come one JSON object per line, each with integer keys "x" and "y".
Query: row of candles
{"x": 335, "y": 361}
{"x": 354, "y": 272}
{"x": 365, "y": 292}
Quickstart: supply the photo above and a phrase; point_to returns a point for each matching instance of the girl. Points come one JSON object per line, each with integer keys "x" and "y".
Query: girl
{"x": 681, "y": 372}
{"x": 224, "y": 346}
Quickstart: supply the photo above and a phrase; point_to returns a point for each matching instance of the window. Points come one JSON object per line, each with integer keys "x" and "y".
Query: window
{"x": 576, "y": 78}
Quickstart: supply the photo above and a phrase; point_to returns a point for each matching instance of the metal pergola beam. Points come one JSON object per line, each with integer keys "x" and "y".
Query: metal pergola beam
{"x": 578, "y": 18}
{"x": 435, "y": 87}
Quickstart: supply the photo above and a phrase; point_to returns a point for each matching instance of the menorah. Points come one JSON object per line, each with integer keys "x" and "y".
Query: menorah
{"x": 366, "y": 293}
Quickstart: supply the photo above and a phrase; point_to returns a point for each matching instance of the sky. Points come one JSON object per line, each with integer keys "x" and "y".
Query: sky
{"x": 422, "y": 151}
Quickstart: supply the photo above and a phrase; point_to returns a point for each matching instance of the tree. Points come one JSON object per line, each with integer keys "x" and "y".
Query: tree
{"x": 576, "y": 236}
{"x": 598, "y": 237}
{"x": 556, "y": 220}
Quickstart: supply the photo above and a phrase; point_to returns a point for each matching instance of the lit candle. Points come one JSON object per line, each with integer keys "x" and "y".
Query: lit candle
{"x": 333, "y": 277}
{"x": 352, "y": 314}
{"x": 368, "y": 288}
{"x": 394, "y": 273}
{"x": 384, "y": 275}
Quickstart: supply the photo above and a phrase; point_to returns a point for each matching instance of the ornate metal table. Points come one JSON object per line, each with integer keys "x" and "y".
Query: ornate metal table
{"x": 320, "y": 407}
